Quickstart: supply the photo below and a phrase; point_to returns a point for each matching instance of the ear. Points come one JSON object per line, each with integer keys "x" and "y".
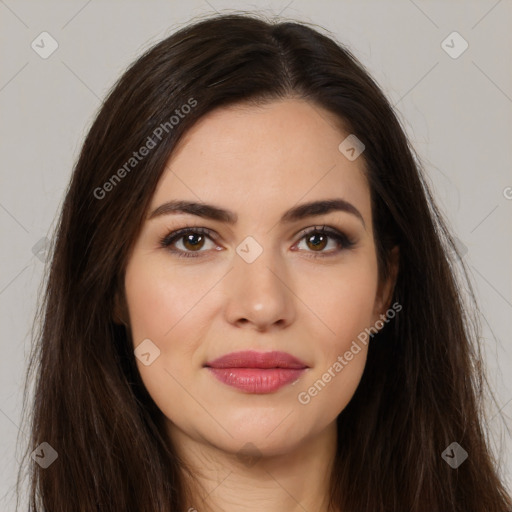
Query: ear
{"x": 387, "y": 286}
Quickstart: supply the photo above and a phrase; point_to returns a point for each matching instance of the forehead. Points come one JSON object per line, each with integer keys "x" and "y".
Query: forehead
{"x": 271, "y": 156}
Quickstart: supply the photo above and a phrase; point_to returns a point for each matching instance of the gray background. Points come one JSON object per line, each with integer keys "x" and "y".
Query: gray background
{"x": 457, "y": 112}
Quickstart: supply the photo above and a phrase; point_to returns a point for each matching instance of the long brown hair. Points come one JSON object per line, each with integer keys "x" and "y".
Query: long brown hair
{"x": 423, "y": 385}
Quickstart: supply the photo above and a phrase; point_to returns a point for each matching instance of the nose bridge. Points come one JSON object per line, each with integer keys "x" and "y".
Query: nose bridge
{"x": 257, "y": 291}
{"x": 255, "y": 267}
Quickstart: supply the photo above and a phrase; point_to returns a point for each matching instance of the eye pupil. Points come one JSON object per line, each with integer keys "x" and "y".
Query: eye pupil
{"x": 317, "y": 244}
{"x": 188, "y": 240}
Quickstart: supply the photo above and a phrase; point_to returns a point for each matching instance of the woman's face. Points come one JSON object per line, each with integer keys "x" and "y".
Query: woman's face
{"x": 264, "y": 282}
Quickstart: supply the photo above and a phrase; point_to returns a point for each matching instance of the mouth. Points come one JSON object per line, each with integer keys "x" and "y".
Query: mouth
{"x": 257, "y": 372}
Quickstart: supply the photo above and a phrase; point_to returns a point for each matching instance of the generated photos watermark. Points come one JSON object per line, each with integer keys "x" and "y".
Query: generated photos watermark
{"x": 151, "y": 143}
{"x": 304, "y": 397}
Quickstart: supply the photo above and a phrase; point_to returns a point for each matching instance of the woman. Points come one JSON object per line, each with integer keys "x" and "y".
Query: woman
{"x": 251, "y": 304}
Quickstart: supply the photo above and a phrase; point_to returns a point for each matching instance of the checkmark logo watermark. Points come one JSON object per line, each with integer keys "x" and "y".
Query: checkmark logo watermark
{"x": 460, "y": 246}
{"x": 249, "y": 249}
{"x": 147, "y": 352}
{"x": 454, "y": 45}
{"x": 351, "y": 147}
{"x": 454, "y": 455}
{"x": 40, "y": 249}
{"x": 44, "y": 455}
{"x": 44, "y": 45}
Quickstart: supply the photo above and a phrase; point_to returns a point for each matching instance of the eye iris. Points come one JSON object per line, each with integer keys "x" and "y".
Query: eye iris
{"x": 317, "y": 245}
{"x": 188, "y": 240}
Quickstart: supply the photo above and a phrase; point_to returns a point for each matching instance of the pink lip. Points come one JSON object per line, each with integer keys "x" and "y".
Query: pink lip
{"x": 257, "y": 372}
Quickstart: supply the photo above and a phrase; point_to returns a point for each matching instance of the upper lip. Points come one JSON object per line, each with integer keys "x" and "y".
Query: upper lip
{"x": 253, "y": 359}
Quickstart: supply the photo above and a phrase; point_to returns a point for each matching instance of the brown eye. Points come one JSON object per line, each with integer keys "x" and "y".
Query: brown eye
{"x": 317, "y": 241}
{"x": 192, "y": 241}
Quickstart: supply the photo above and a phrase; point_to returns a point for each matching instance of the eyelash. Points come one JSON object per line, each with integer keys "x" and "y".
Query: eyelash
{"x": 167, "y": 241}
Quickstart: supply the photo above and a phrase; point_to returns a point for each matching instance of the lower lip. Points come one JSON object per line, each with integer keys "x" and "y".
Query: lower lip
{"x": 257, "y": 380}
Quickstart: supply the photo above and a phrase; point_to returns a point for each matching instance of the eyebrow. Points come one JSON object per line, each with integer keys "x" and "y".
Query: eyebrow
{"x": 302, "y": 211}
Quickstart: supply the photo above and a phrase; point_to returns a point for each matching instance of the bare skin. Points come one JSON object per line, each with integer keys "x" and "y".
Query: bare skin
{"x": 310, "y": 296}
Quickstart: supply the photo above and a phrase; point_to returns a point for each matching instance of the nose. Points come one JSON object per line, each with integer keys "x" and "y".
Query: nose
{"x": 259, "y": 294}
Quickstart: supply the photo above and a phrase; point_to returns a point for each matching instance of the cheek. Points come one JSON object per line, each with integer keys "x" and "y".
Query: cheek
{"x": 164, "y": 307}
{"x": 344, "y": 302}
{"x": 161, "y": 307}
{"x": 160, "y": 299}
